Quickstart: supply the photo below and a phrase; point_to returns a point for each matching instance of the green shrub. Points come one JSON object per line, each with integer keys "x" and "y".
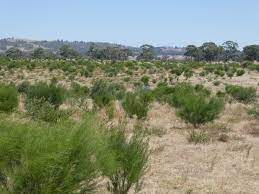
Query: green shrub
{"x": 131, "y": 157}
{"x": 8, "y": 98}
{"x": 41, "y": 160}
{"x": 103, "y": 92}
{"x": 137, "y": 103}
{"x": 241, "y": 94}
{"x": 79, "y": 91}
{"x": 240, "y": 72}
{"x": 52, "y": 93}
{"x": 43, "y": 110}
{"x": 199, "y": 110}
{"x": 145, "y": 80}
{"x": 23, "y": 87}
{"x": 198, "y": 137}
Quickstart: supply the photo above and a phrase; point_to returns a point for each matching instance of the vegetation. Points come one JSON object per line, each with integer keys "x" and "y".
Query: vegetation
{"x": 131, "y": 157}
{"x": 241, "y": 94}
{"x": 8, "y": 98}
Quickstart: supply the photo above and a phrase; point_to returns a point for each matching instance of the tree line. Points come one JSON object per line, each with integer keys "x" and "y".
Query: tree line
{"x": 228, "y": 51}
{"x": 209, "y": 51}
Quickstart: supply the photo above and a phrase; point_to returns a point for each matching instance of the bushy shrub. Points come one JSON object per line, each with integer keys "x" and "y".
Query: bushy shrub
{"x": 198, "y": 109}
{"x": 194, "y": 104}
{"x": 48, "y": 159}
{"x": 254, "y": 111}
{"x": 137, "y": 103}
{"x": 23, "y": 87}
{"x": 8, "y": 98}
{"x": 131, "y": 157}
{"x": 79, "y": 91}
{"x": 145, "y": 80}
{"x": 103, "y": 92}
{"x": 43, "y": 110}
{"x": 241, "y": 94}
{"x": 240, "y": 72}
{"x": 52, "y": 93}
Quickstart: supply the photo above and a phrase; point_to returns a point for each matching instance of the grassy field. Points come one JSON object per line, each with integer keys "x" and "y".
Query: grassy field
{"x": 78, "y": 126}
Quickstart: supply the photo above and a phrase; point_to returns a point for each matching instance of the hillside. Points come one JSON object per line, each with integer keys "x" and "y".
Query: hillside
{"x": 80, "y": 46}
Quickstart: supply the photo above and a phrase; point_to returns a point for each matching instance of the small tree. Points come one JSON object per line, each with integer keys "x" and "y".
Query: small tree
{"x": 8, "y": 98}
{"x": 131, "y": 157}
{"x": 199, "y": 110}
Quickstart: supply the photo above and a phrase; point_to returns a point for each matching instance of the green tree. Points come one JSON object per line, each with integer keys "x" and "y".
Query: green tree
{"x": 210, "y": 51}
{"x": 147, "y": 52}
{"x": 38, "y": 53}
{"x": 251, "y": 52}
{"x": 13, "y": 53}
{"x": 68, "y": 52}
{"x": 193, "y": 52}
{"x": 230, "y": 50}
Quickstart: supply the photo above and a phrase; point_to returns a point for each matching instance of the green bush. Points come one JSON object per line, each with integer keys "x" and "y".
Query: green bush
{"x": 8, "y": 98}
{"x": 194, "y": 104}
{"x": 43, "y": 110}
{"x": 103, "y": 92}
{"x": 254, "y": 111}
{"x": 52, "y": 93}
{"x": 145, "y": 80}
{"x": 130, "y": 164}
{"x": 23, "y": 87}
{"x": 137, "y": 103}
{"x": 240, "y": 72}
{"x": 241, "y": 94}
{"x": 199, "y": 110}
{"x": 41, "y": 160}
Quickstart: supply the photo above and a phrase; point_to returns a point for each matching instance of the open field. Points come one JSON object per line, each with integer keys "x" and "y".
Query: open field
{"x": 215, "y": 151}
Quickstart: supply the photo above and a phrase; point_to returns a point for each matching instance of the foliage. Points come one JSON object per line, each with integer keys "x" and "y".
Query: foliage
{"x": 137, "y": 103}
{"x": 43, "y": 110}
{"x": 254, "y": 111}
{"x": 8, "y": 98}
{"x": 241, "y": 94}
{"x": 103, "y": 92}
{"x": 67, "y": 51}
{"x": 52, "y": 93}
{"x": 131, "y": 157}
{"x": 240, "y": 72}
{"x": 46, "y": 160}
{"x": 145, "y": 80}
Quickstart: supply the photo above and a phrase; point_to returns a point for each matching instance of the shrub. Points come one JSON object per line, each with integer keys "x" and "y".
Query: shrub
{"x": 145, "y": 80}
{"x": 52, "y": 93}
{"x": 198, "y": 137}
{"x": 43, "y": 110}
{"x": 254, "y": 111}
{"x": 48, "y": 159}
{"x": 103, "y": 92}
{"x": 8, "y": 98}
{"x": 79, "y": 91}
{"x": 23, "y": 87}
{"x": 198, "y": 109}
{"x": 137, "y": 103}
{"x": 131, "y": 157}
{"x": 240, "y": 72}
{"x": 241, "y": 94}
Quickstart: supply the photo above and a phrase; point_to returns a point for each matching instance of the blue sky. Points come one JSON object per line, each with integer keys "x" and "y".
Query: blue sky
{"x": 132, "y": 22}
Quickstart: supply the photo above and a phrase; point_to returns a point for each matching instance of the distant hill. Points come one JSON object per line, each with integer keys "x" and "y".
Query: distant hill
{"x": 80, "y": 46}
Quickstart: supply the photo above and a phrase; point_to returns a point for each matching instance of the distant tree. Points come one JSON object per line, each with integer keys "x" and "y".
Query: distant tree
{"x": 147, "y": 52}
{"x": 251, "y": 52}
{"x": 230, "y": 50}
{"x": 38, "y": 53}
{"x": 67, "y": 51}
{"x": 108, "y": 53}
{"x": 210, "y": 51}
{"x": 193, "y": 52}
{"x": 13, "y": 53}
